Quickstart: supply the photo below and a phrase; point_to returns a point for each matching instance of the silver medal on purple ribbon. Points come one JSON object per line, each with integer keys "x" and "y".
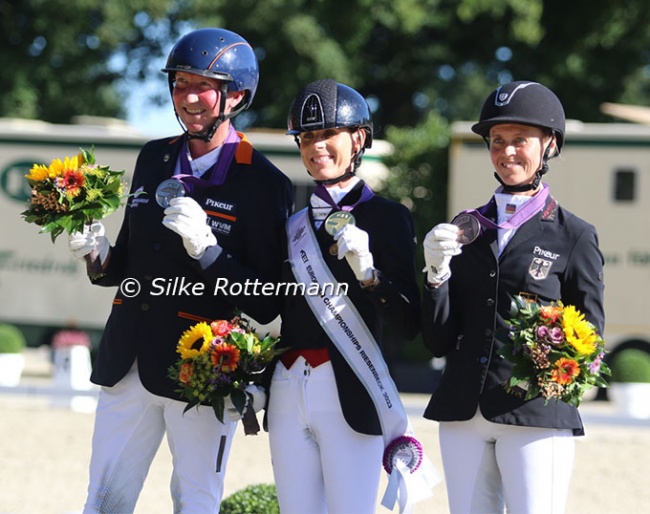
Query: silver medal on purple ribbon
{"x": 168, "y": 189}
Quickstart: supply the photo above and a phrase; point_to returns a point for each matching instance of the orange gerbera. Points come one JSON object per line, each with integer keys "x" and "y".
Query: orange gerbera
{"x": 551, "y": 313}
{"x": 565, "y": 370}
{"x": 186, "y": 372}
{"x": 225, "y": 357}
{"x": 73, "y": 181}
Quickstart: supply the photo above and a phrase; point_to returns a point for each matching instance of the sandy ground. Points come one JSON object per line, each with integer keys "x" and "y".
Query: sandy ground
{"x": 45, "y": 451}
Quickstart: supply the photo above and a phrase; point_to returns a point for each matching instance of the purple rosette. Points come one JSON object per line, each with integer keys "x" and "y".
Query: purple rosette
{"x": 405, "y": 448}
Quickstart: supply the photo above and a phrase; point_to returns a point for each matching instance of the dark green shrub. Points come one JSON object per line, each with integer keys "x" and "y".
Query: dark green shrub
{"x": 631, "y": 365}
{"x": 12, "y": 339}
{"x": 254, "y": 499}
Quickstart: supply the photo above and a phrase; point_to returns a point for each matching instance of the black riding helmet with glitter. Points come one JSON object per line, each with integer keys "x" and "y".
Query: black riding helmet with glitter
{"x": 525, "y": 103}
{"x": 328, "y": 104}
{"x": 218, "y": 54}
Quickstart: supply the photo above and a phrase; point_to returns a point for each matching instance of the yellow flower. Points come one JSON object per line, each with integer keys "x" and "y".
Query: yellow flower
{"x": 58, "y": 167}
{"x": 195, "y": 341}
{"x": 578, "y": 331}
{"x": 38, "y": 173}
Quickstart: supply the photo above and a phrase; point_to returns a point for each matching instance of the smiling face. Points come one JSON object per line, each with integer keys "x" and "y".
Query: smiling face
{"x": 197, "y": 101}
{"x": 517, "y": 151}
{"x": 329, "y": 153}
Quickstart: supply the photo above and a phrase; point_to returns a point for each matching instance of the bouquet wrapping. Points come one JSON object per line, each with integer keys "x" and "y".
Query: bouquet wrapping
{"x": 219, "y": 359}
{"x": 556, "y": 352}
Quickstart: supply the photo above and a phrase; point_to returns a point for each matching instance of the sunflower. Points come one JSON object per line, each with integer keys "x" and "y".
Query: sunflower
{"x": 565, "y": 370}
{"x": 225, "y": 357}
{"x": 59, "y": 167}
{"x": 195, "y": 341}
{"x": 38, "y": 173}
{"x": 579, "y": 332}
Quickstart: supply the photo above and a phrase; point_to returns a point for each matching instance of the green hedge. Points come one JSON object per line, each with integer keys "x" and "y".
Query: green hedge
{"x": 254, "y": 499}
{"x": 631, "y": 365}
{"x": 12, "y": 339}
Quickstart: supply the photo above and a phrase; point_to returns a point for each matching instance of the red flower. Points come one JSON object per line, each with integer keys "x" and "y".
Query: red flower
{"x": 565, "y": 370}
{"x": 220, "y": 327}
{"x": 225, "y": 357}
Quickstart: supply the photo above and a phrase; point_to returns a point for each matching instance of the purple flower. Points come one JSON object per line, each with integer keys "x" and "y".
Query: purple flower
{"x": 594, "y": 367}
{"x": 552, "y": 335}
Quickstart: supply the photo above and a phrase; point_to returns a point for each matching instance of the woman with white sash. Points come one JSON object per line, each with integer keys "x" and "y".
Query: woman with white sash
{"x": 325, "y": 429}
{"x": 499, "y": 450}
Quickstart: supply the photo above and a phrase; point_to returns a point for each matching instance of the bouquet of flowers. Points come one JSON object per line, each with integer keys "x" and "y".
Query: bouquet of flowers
{"x": 556, "y": 352}
{"x": 218, "y": 360}
{"x": 68, "y": 194}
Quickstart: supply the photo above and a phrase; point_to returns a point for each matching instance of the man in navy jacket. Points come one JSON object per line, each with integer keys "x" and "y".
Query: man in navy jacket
{"x": 177, "y": 261}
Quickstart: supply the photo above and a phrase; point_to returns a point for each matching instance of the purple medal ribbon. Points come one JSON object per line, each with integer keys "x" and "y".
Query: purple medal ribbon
{"x": 217, "y": 174}
{"x": 322, "y": 193}
{"x": 522, "y": 215}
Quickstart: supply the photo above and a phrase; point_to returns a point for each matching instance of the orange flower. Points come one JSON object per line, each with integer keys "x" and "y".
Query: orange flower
{"x": 220, "y": 327}
{"x": 565, "y": 370}
{"x": 551, "y": 312}
{"x": 185, "y": 375}
{"x": 225, "y": 357}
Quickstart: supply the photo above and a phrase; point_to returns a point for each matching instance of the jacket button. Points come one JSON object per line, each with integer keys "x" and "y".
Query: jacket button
{"x": 493, "y": 273}
{"x": 483, "y": 360}
{"x": 490, "y": 302}
{"x": 144, "y": 307}
{"x": 488, "y": 332}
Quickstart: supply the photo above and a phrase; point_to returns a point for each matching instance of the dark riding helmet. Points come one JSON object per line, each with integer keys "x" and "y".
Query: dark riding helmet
{"x": 526, "y": 103}
{"x": 219, "y": 54}
{"x": 327, "y": 104}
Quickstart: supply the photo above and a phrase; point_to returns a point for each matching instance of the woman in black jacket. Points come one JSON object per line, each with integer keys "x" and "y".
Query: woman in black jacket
{"x": 498, "y": 449}
{"x": 325, "y": 423}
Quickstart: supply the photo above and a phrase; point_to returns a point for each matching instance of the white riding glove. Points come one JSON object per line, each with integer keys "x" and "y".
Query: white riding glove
{"x": 256, "y": 398}
{"x": 353, "y": 244}
{"x": 91, "y": 239}
{"x": 186, "y": 217}
{"x": 440, "y": 245}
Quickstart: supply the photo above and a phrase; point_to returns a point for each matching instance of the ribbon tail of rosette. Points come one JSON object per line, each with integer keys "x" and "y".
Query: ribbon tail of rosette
{"x": 411, "y": 475}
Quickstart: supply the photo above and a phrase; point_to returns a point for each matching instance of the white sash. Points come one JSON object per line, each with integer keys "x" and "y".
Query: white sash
{"x": 344, "y": 325}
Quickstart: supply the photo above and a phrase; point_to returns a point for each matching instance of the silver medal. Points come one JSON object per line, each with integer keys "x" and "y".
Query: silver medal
{"x": 168, "y": 189}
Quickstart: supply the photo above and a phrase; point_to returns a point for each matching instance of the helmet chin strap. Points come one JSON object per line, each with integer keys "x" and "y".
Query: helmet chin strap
{"x": 336, "y": 180}
{"x": 521, "y": 188}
